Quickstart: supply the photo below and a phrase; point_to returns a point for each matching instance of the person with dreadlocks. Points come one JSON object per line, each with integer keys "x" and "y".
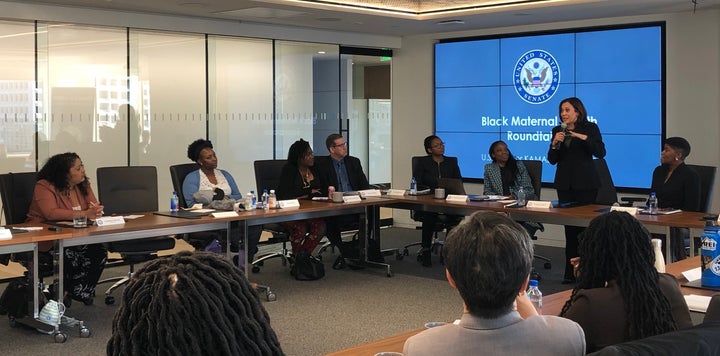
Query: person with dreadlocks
{"x": 619, "y": 295}
{"x": 191, "y": 303}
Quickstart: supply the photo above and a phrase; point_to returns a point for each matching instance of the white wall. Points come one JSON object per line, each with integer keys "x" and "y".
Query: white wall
{"x": 693, "y": 92}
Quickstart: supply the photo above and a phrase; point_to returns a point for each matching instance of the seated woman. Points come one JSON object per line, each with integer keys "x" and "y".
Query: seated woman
{"x": 676, "y": 186}
{"x": 61, "y": 191}
{"x": 191, "y": 303}
{"x": 505, "y": 174}
{"x": 208, "y": 177}
{"x": 300, "y": 180}
{"x": 619, "y": 295}
{"x": 427, "y": 171}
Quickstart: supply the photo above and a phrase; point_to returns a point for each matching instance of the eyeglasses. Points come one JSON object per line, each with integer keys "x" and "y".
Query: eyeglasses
{"x": 340, "y": 144}
{"x": 441, "y": 144}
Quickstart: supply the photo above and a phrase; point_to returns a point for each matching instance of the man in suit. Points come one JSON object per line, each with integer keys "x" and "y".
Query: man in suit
{"x": 488, "y": 259}
{"x": 345, "y": 173}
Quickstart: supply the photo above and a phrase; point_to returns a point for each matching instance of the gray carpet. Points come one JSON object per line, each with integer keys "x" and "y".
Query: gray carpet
{"x": 346, "y": 308}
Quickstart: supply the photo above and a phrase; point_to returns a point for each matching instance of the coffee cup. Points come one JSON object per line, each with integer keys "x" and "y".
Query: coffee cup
{"x": 79, "y": 219}
{"x": 337, "y": 197}
{"x": 440, "y": 193}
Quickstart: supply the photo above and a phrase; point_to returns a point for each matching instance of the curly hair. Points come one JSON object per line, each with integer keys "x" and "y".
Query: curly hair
{"x": 56, "y": 171}
{"x": 615, "y": 246}
{"x": 297, "y": 151}
{"x": 191, "y": 303}
{"x": 194, "y": 149}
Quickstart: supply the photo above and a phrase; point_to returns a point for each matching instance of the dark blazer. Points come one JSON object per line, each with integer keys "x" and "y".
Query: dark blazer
{"x": 681, "y": 191}
{"x": 358, "y": 180}
{"x": 426, "y": 171}
{"x": 291, "y": 183}
{"x": 575, "y": 168}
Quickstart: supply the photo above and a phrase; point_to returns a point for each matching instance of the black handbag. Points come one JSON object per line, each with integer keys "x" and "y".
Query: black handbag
{"x": 307, "y": 267}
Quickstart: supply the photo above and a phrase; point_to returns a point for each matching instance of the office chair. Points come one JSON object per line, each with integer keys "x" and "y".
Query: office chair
{"x": 444, "y": 223}
{"x": 534, "y": 169}
{"x": 707, "y": 184}
{"x": 125, "y": 190}
{"x": 267, "y": 176}
{"x": 607, "y": 195}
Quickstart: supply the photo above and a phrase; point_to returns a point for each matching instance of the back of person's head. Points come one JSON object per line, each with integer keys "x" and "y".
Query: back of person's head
{"x": 330, "y": 140}
{"x": 617, "y": 247}
{"x": 579, "y": 107}
{"x": 297, "y": 151}
{"x": 192, "y": 303}
{"x": 194, "y": 149}
{"x": 489, "y": 257}
{"x": 679, "y": 144}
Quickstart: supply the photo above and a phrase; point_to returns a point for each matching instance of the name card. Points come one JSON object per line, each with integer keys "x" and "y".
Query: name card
{"x": 224, "y": 214}
{"x": 290, "y": 203}
{"x": 370, "y": 193}
{"x": 396, "y": 192}
{"x": 539, "y": 204}
{"x": 456, "y": 198}
{"x": 5, "y": 234}
{"x": 352, "y": 199}
{"x": 628, "y": 209}
{"x": 109, "y": 220}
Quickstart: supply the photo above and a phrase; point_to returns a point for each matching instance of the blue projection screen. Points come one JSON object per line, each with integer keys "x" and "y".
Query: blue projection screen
{"x": 509, "y": 89}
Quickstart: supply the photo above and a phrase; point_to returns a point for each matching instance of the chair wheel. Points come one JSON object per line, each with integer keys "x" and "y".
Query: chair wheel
{"x": 109, "y": 300}
{"x": 406, "y": 252}
{"x": 547, "y": 265}
{"x": 389, "y": 274}
{"x": 271, "y": 297}
{"x": 85, "y": 332}
{"x": 12, "y": 321}
{"x": 255, "y": 269}
{"x": 399, "y": 256}
{"x": 60, "y": 337}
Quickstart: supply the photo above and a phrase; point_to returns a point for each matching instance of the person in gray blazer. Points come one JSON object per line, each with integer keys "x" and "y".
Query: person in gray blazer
{"x": 488, "y": 259}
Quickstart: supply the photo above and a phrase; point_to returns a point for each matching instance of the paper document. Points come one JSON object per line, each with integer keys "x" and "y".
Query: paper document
{"x": 697, "y": 303}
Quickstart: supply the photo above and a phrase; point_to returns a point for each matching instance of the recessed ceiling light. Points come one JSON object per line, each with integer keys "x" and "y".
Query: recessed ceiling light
{"x": 451, "y": 22}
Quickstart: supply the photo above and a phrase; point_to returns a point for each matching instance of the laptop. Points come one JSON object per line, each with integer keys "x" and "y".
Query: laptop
{"x": 452, "y": 185}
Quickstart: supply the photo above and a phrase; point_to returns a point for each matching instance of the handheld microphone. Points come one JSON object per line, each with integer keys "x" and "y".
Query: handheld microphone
{"x": 565, "y": 130}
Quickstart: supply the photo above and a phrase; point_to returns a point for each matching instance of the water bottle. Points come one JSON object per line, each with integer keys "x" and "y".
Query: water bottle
{"x": 413, "y": 186}
{"x": 535, "y": 295}
{"x": 247, "y": 202}
{"x": 174, "y": 202}
{"x": 265, "y": 199}
{"x": 659, "y": 259}
{"x": 652, "y": 204}
{"x": 272, "y": 200}
{"x": 520, "y": 195}
{"x": 710, "y": 256}
{"x": 253, "y": 200}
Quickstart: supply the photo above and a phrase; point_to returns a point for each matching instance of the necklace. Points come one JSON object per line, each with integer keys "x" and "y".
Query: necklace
{"x": 305, "y": 178}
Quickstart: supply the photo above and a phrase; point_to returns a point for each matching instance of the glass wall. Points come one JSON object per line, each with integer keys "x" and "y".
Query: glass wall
{"x": 17, "y": 96}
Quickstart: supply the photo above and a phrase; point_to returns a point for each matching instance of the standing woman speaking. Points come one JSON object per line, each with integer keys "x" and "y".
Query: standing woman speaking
{"x": 573, "y": 146}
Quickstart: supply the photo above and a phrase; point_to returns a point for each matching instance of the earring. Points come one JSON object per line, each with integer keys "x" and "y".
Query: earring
{"x": 676, "y": 159}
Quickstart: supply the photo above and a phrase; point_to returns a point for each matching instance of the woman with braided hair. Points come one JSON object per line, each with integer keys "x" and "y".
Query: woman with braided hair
{"x": 620, "y": 296}
{"x": 191, "y": 303}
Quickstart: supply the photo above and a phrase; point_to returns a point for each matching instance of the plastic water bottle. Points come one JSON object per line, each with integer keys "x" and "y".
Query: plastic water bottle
{"x": 174, "y": 202}
{"x": 265, "y": 199}
{"x": 535, "y": 295}
{"x": 272, "y": 199}
{"x": 413, "y": 186}
{"x": 659, "y": 259}
{"x": 247, "y": 203}
{"x": 253, "y": 200}
{"x": 520, "y": 195}
{"x": 652, "y": 204}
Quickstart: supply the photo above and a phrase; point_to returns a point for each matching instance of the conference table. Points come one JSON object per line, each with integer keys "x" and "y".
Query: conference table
{"x": 552, "y": 305}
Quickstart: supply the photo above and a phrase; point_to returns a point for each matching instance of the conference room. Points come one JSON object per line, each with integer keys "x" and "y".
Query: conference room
{"x": 253, "y": 90}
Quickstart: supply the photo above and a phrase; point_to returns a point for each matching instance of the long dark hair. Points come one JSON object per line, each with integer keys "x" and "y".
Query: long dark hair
{"x": 511, "y": 163}
{"x": 56, "y": 171}
{"x": 297, "y": 151}
{"x": 191, "y": 303}
{"x": 579, "y": 107}
{"x": 615, "y": 246}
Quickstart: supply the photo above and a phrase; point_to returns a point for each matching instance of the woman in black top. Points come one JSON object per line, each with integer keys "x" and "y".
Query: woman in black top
{"x": 676, "y": 186}
{"x": 300, "y": 180}
{"x": 426, "y": 171}
{"x": 576, "y": 180}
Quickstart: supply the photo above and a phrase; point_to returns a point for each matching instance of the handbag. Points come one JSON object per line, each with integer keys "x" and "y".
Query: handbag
{"x": 307, "y": 267}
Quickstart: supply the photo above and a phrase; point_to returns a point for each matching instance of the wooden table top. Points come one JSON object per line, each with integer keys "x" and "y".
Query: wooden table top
{"x": 552, "y": 304}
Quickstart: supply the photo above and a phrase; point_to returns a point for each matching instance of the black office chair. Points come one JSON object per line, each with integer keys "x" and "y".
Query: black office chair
{"x": 125, "y": 190}
{"x": 534, "y": 169}
{"x": 707, "y": 184}
{"x": 607, "y": 195}
{"x": 267, "y": 176}
{"x": 444, "y": 223}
